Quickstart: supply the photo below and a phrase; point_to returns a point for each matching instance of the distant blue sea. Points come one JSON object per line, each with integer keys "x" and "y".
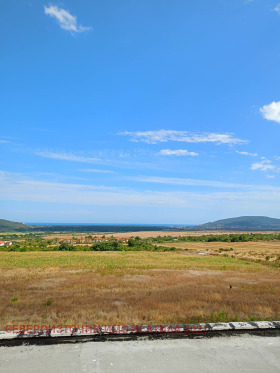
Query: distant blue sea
{"x": 113, "y": 224}
{"x": 79, "y": 227}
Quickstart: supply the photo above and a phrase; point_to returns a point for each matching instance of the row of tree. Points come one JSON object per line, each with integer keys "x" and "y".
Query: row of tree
{"x": 111, "y": 245}
{"x": 235, "y": 237}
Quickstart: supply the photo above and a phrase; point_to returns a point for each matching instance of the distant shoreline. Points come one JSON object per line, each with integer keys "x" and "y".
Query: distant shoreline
{"x": 112, "y": 224}
{"x": 242, "y": 223}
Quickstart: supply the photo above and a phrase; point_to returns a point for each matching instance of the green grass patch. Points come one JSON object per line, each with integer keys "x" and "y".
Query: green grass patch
{"x": 111, "y": 262}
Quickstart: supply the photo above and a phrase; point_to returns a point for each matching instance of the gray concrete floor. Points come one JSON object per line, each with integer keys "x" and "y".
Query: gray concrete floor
{"x": 220, "y": 354}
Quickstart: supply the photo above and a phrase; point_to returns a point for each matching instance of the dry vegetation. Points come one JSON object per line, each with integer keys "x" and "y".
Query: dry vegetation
{"x": 147, "y": 234}
{"x": 134, "y": 288}
{"x": 267, "y": 251}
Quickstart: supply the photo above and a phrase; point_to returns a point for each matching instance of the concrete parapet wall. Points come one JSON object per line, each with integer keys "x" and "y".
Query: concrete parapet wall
{"x": 35, "y": 334}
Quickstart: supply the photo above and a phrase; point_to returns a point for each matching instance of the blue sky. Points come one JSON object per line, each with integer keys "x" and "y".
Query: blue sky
{"x": 151, "y": 111}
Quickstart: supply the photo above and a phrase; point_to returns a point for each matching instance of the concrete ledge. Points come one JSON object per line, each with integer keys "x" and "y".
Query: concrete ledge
{"x": 126, "y": 332}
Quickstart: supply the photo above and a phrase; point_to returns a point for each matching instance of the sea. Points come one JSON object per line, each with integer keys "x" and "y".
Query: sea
{"x": 111, "y": 228}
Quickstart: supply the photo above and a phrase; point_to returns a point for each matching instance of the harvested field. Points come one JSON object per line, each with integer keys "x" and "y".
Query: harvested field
{"x": 133, "y": 288}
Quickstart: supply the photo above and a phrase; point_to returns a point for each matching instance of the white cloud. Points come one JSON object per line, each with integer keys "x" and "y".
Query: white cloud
{"x": 271, "y": 111}
{"x": 52, "y": 197}
{"x": 65, "y": 19}
{"x": 277, "y": 8}
{"x": 16, "y": 187}
{"x": 68, "y": 157}
{"x": 200, "y": 183}
{"x": 265, "y": 166}
{"x": 246, "y": 153}
{"x": 105, "y": 158}
{"x": 97, "y": 171}
{"x": 178, "y": 153}
{"x": 154, "y": 137}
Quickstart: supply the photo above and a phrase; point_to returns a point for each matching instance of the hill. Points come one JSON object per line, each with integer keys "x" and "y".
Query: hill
{"x": 243, "y": 223}
{"x": 12, "y": 226}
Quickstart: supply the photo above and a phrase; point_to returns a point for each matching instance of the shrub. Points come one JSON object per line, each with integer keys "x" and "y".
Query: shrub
{"x": 48, "y": 303}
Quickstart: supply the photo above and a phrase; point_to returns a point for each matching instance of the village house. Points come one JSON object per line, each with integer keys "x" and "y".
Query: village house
{"x": 83, "y": 240}
{"x": 122, "y": 239}
{"x": 6, "y": 243}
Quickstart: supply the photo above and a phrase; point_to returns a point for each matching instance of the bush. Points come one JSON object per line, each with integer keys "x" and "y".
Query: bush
{"x": 111, "y": 245}
{"x": 66, "y": 247}
{"x": 48, "y": 303}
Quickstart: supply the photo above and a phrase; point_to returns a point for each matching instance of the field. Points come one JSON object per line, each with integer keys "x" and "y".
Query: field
{"x": 267, "y": 251}
{"x": 139, "y": 287}
{"x": 147, "y": 234}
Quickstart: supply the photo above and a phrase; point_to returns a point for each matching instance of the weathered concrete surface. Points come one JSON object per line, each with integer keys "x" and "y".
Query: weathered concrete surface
{"x": 245, "y": 353}
{"x": 15, "y": 337}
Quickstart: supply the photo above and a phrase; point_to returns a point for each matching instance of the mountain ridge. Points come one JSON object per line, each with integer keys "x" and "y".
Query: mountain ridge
{"x": 243, "y": 223}
{"x": 13, "y": 226}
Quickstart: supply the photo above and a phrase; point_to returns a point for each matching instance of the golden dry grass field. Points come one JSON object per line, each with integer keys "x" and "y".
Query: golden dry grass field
{"x": 83, "y": 288}
{"x": 147, "y": 234}
{"x": 262, "y": 250}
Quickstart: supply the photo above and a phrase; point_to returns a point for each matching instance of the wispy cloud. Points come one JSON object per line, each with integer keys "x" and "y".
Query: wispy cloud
{"x": 277, "y": 8}
{"x": 65, "y": 20}
{"x": 247, "y": 153}
{"x": 200, "y": 183}
{"x": 265, "y": 166}
{"x": 105, "y": 158}
{"x": 68, "y": 157}
{"x": 4, "y": 141}
{"x": 15, "y": 187}
{"x": 272, "y": 111}
{"x": 178, "y": 153}
{"x": 154, "y": 137}
{"x": 97, "y": 171}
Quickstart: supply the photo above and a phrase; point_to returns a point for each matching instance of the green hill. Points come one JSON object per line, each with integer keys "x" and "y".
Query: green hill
{"x": 11, "y": 226}
{"x": 243, "y": 223}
